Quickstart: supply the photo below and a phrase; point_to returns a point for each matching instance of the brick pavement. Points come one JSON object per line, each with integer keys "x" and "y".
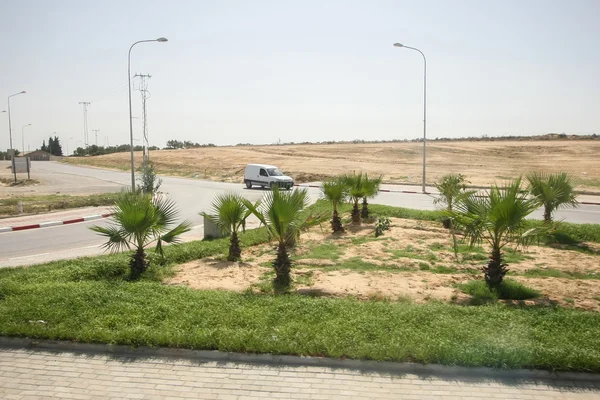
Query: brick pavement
{"x": 29, "y": 374}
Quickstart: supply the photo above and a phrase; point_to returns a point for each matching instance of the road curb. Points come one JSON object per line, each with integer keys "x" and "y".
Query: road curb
{"x": 120, "y": 351}
{"x": 53, "y": 223}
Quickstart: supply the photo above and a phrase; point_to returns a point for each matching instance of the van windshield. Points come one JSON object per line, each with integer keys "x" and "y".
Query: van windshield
{"x": 274, "y": 172}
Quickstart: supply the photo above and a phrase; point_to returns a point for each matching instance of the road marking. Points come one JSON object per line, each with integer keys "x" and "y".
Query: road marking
{"x": 51, "y": 223}
{"x": 5, "y": 229}
{"x": 34, "y": 255}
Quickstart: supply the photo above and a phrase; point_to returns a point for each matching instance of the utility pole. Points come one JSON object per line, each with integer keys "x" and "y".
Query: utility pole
{"x": 85, "y": 124}
{"x": 143, "y": 88}
{"x": 96, "y": 132}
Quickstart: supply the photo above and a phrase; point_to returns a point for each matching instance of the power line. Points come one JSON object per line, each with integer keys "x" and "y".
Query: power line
{"x": 110, "y": 93}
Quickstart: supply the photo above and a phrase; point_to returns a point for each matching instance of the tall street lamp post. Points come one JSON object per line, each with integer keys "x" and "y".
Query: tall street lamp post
{"x": 23, "y": 136}
{"x": 10, "y": 129}
{"x": 161, "y": 39}
{"x": 424, "y": 107}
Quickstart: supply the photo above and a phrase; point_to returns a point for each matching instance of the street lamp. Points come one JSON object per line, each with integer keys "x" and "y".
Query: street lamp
{"x": 23, "y": 136}
{"x": 160, "y": 39}
{"x": 10, "y": 129}
{"x": 424, "y": 107}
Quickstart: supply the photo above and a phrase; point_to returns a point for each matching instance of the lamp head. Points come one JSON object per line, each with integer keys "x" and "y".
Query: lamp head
{"x": 23, "y": 92}
{"x": 162, "y": 39}
{"x": 398, "y": 45}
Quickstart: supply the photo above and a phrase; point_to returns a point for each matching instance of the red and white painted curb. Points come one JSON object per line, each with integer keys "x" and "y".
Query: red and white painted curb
{"x": 53, "y": 223}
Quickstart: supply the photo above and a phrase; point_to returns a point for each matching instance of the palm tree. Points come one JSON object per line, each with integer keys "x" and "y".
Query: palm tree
{"x": 138, "y": 221}
{"x": 499, "y": 220}
{"x": 553, "y": 191}
{"x": 229, "y": 213}
{"x": 371, "y": 187}
{"x": 452, "y": 189}
{"x": 356, "y": 190}
{"x": 336, "y": 191}
{"x": 281, "y": 212}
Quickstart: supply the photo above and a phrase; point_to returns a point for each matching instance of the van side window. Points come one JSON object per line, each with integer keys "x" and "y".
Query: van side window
{"x": 263, "y": 172}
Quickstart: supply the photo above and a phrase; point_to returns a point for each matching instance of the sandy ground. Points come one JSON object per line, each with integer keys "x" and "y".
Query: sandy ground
{"x": 483, "y": 162}
{"x": 397, "y": 259}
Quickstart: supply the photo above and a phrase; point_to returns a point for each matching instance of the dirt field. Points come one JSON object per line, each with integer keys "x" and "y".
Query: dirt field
{"x": 483, "y": 162}
{"x": 412, "y": 261}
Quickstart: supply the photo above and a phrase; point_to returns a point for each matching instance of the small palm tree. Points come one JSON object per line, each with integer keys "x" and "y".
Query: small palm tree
{"x": 499, "y": 220}
{"x": 336, "y": 191}
{"x": 281, "y": 212}
{"x": 371, "y": 187}
{"x": 553, "y": 191}
{"x": 356, "y": 190}
{"x": 229, "y": 213}
{"x": 452, "y": 188}
{"x": 138, "y": 221}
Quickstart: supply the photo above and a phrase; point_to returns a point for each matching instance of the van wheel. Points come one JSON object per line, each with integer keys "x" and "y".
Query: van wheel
{"x": 248, "y": 184}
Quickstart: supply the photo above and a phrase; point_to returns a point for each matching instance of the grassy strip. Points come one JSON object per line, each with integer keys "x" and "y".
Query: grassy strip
{"x": 151, "y": 314}
{"x": 43, "y": 203}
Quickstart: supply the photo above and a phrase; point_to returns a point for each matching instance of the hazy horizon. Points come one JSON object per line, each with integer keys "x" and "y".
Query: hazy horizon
{"x": 262, "y": 72}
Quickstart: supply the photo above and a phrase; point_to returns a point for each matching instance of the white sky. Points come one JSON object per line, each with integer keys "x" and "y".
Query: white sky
{"x": 263, "y": 71}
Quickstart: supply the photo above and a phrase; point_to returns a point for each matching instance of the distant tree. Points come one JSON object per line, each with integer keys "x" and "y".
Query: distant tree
{"x": 44, "y": 147}
{"x": 56, "y": 148}
{"x": 174, "y": 144}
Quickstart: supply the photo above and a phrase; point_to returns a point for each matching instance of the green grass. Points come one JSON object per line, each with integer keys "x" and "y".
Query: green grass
{"x": 327, "y": 251}
{"x": 84, "y": 308}
{"x": 512, "y": 256}
{"x": 555, "y": 273}
{"x": 323, "y": 207}
{"x": 44, "y": 203}
{"x": 508, "y": 290}
{"x": 410, "y": 252}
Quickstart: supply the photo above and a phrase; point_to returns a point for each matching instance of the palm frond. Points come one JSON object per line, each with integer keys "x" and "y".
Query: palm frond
{"x": 173, "y": 235}
{"x": 498, "y": 218}
{"x": 118, "y": 239}
{"x": 553, "y": 191}
{"x": 335, "y": 190}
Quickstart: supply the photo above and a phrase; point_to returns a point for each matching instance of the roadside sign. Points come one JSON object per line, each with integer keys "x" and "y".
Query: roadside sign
{"x": 21, "y": 165}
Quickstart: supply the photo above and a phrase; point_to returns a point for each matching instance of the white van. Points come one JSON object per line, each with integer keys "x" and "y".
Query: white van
{"x": 266, "y": 175}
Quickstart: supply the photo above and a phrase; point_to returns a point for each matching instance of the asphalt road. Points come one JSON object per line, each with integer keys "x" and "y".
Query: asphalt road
{"x": 191, "y": 195}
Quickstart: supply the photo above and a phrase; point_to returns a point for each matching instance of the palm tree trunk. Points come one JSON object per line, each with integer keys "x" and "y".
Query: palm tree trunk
{"x": 495, "y": 270}
{"x": 336, "y": 222}
{"x": 355, "y": 213}
{"x": 547, "y": 213}
{"x": 137, "y": 265}
{"x": 364, "y": 213}
{"x": 235, "y": 251}
{"x": 282, "y": 267}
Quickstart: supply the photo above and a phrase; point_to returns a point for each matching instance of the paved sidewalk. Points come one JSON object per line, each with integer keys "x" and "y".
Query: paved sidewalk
{"x": 27, "y": 374}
